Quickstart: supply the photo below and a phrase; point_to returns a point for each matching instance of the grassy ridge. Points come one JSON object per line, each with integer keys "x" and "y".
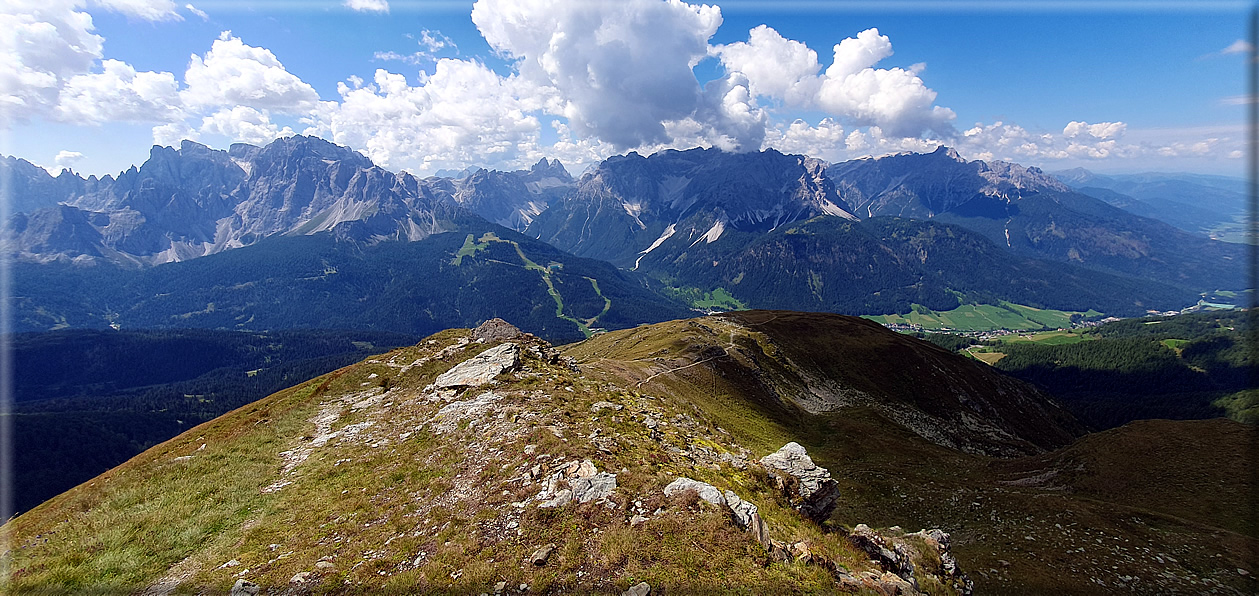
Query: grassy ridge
{"x": 383, "y": 493}
{"x": 412, "y": 509}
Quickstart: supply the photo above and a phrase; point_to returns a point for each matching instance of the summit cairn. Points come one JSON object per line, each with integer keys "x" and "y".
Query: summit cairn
{"x": 495, "y": 329}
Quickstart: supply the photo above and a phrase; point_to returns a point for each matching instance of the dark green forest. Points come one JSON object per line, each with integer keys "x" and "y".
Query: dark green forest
{"x": 320, "y": 282}
{"x": 1154, "y": 367}
{"x": 885, "y": 265}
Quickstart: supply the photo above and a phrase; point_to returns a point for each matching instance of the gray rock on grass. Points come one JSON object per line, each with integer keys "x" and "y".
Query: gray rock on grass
{"x": 706, "y": 491}
{"x": 818, "y": 493}
{"x": 482, "y": 368}
{"x": 640, "y": 589}
{"x": 540, "y": 556}
{"x": 244, "y": 587}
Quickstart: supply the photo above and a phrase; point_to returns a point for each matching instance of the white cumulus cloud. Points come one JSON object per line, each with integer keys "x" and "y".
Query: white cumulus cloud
{"x": 171, "y": 134}
{"x": 827, "y": 140}
{"x": 851, "y": 89}
{"x": 462, "y": 114}
{"x": 65, "y": 158}
{"x": 380, "y": 6}
{"x": 1101, "y": 130}
{"x": 149, "y": 10}
{"x": 775, "y": 66}
{"x": 615, "y": 70}
{"x": 119, "y": 93}
{"x": 44, "y": 44}
{"x": 235, "y": 74}
{"x": 244, "y": 124}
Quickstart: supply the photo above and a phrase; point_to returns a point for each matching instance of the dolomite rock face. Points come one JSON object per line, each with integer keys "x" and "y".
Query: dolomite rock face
{"x": 817, "y": 493}
{"x": 480, "y": 369}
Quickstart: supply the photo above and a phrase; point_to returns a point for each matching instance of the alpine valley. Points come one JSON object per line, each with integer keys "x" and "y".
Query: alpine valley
{"x": 286, "y": 370}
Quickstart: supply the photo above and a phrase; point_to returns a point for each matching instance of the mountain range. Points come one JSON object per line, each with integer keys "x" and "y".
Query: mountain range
{"x": 195, "y": 201}
{"x": 765, "y": 229}
{"x": 1208, "y": 205}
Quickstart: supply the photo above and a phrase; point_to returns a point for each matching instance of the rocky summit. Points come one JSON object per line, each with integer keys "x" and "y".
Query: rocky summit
{"x": 669, "y": 458}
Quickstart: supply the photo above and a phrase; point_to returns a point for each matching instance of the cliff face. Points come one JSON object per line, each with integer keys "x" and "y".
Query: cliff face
{"x": 630, "y": 204}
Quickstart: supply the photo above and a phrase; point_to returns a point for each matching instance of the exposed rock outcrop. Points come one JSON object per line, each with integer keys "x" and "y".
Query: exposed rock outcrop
{"x": 705, "y": 491}
{"x": 639, "y": 589}
{"x": 540, "y": 556}
{"x": 890, "y": 556}
{"x": 245, "y": 588}
{"x": 496, "y": 329}
{"x": 816, "y": 494}
{"x": 745, "y": 513}
{"x": 448, "y": 418}
{"x": 482, "y": 368}
{"x": 747, "y": 516}
{"x": 585, "y": 484}
{"x": 896, "y": 554}
{"x": 949, "y": 571}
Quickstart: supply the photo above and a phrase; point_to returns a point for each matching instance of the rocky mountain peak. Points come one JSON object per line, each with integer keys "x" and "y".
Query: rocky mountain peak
{"x": 947, "y": 152}
{"x": 241, "y": 150}
{"x": 552, "y": 167}
{"x": 679, "y": 197}
{"x": 923, "y": 185}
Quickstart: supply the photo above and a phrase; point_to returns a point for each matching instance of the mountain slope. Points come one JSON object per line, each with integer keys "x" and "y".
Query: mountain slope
{"x": 776, "y": 231}
{"x": 1191, "y": 202}
{"x": 86, "y": 400}
{"x": 509, "y": 199}
{"x": 457, "y": 278}
{"x": 1034, "y": 214}
{"x": 194, "y": 201}
{"x": 817, "y": 363}
{"x": 887, "y": 265}
{"x": 32, "y": 187}
{"x": 923, "y": 185}
{"x": 424, "y": 478}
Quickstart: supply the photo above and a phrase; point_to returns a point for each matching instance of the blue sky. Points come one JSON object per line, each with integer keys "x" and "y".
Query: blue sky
{"x": 1121, "y": 88}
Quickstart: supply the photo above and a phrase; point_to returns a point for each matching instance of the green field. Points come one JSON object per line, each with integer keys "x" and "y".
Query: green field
{"x": 1233, "y": 231}
{"x": 1048, "y": 338}
{"x": 983, "y": 317}
{"x": 988, "y": 358}
{"x": 719, "y": 298}
{"x": 1175, "y": 344}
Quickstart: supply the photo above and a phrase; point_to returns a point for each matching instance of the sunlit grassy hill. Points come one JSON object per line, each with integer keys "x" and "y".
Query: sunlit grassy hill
{"x": 422, "y": 470}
